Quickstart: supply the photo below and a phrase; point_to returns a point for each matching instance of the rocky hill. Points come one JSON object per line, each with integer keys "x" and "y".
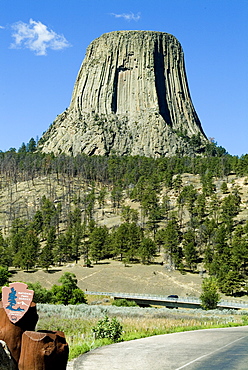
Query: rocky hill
{"x": 131, "y": 97}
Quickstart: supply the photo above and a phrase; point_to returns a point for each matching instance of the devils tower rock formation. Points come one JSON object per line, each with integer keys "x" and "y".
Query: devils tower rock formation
{"x": 131, "y": 97}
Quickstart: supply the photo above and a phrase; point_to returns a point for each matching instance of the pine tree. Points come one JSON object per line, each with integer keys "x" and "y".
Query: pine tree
{"x": 46, "y": 258}
{"x": 76, "y": 231}
{"x": 224, "y": 187}
{"x": 101, "y": 197}
{"x": 31, "y": 146}
{"x": 4, "y": 276}
{"x": 230, "y": 281}
{"x": 28, "y": 250}
{"x": 116, "y": 196}
{"x": 189, "y": 249}
{"x": 129, "y": 214}
{"x": 5, "y": 252}
{"x": 147, "y": 250}
{"x": 171, "y": 243}
{"x": 200, "y": 207}
{"x": 97, "y": 243}
{"x": 208, "y": 186}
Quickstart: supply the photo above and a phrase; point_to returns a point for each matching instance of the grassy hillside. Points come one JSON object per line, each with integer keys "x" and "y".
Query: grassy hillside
{"x": 190, "y": 214}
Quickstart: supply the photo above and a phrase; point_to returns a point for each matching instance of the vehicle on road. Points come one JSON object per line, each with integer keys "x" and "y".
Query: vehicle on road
{"x": 173, "y": 297}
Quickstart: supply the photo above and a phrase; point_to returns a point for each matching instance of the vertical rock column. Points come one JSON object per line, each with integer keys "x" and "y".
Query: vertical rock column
{"x": 131, "y": 96}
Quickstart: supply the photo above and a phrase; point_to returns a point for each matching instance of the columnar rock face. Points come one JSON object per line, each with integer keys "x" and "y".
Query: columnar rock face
{"x": 131, "y": 97}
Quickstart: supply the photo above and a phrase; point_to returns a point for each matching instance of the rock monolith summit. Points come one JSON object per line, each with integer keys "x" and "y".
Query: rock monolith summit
{"x": 131, "y": 97}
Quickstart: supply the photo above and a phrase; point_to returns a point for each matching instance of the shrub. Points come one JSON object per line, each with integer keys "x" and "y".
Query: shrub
{"x": 62, "y": 294}
{"x": 77, "y": 297}
{"x": 4, "y": 276}
{"x": 69, "y": 279}
{"x": 108, "y": 329}
{"x": 210, "y": 296}
{"x": 68, "y": 292}
{"x": 41, "y": 295}
{"x": 124, "y": 303}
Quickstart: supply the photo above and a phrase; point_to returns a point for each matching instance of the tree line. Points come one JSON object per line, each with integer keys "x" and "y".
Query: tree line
{"x": 26, "y": 163}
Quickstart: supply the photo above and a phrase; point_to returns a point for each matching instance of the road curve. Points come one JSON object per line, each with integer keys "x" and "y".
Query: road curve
{"x": 224, "y": 348}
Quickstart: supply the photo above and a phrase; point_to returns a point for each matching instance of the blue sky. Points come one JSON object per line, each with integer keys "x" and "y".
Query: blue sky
{"x": 43, "y": 43}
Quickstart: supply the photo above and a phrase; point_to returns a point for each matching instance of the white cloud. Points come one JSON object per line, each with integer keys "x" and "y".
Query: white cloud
{"x": 1, "y": 27}
{"x": 128, "y": 16}
{"x": 36, "y": 37}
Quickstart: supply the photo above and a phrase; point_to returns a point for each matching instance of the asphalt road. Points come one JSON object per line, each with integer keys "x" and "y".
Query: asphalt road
{"x": 195, "y": 350}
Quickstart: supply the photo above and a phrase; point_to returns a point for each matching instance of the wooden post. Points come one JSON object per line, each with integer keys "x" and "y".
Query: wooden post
{"x": 11, "y": 333}
{"x": 29, "y": 350}
{"x": 46, "y": 350}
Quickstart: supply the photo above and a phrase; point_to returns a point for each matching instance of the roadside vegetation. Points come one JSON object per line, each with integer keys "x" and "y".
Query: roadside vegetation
{"x": 65, "y": 293}
{"x": 78, "y": 322}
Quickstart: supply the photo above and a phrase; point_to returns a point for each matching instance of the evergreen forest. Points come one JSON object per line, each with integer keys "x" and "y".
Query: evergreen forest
{"x": 192, "y": 211}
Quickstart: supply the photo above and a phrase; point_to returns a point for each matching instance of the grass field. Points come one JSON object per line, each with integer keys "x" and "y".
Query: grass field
{"x": 114, "y": 276}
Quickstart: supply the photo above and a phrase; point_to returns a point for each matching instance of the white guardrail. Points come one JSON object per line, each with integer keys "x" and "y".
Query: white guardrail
{"x": 189, "y": 300}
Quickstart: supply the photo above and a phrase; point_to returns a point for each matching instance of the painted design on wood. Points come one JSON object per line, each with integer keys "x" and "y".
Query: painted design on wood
{"x": 16, "y": 300}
